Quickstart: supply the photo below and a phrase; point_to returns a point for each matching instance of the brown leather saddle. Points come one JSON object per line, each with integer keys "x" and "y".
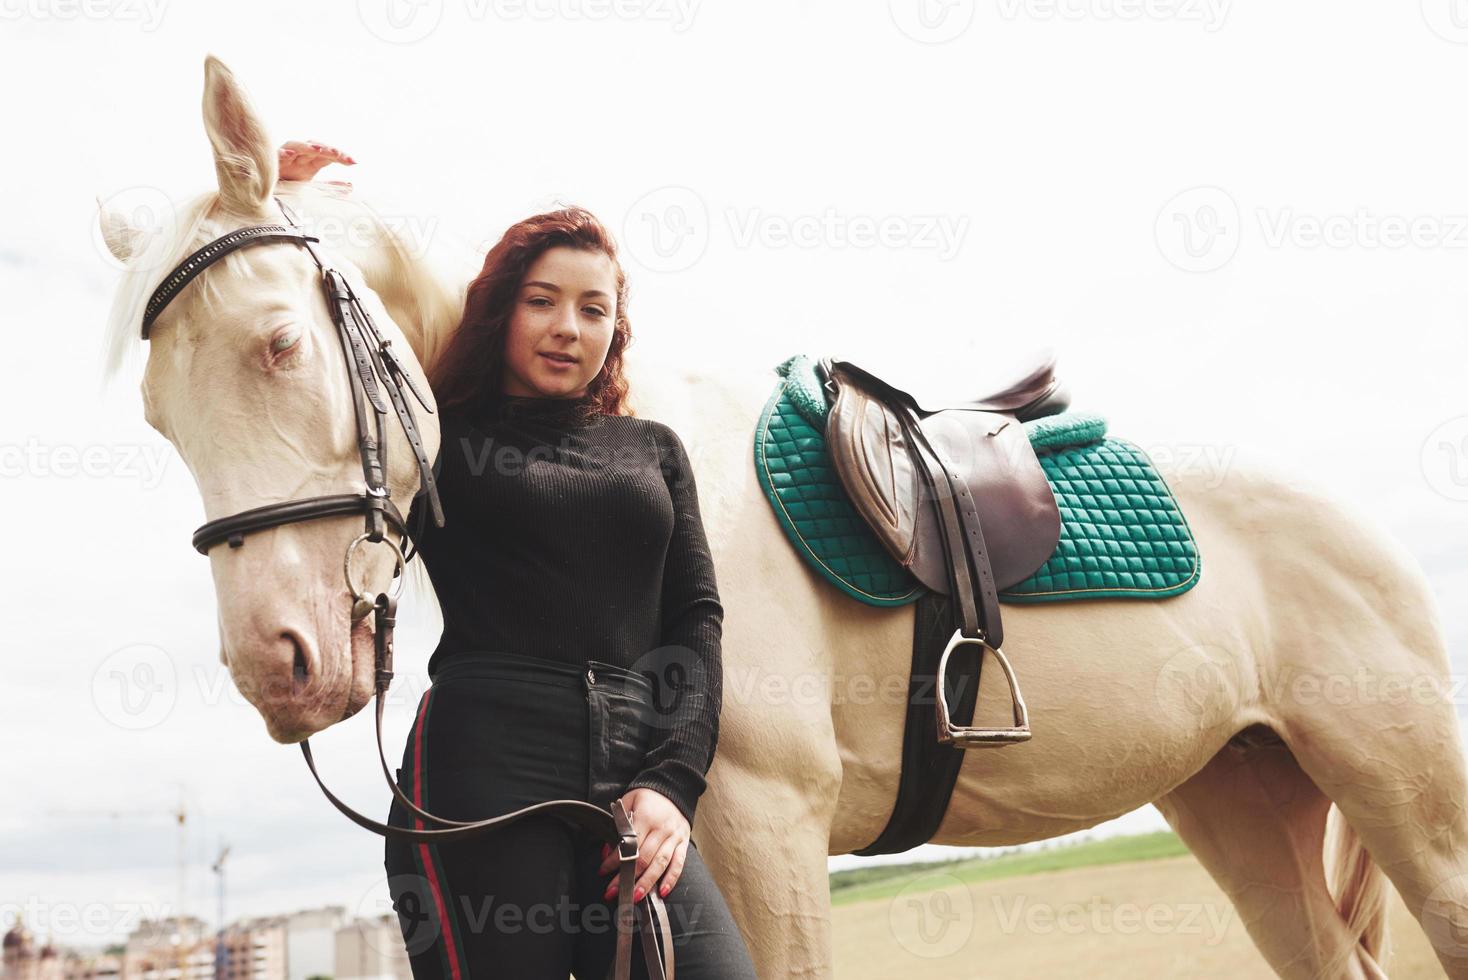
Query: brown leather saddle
{"x": 951, "y": 486}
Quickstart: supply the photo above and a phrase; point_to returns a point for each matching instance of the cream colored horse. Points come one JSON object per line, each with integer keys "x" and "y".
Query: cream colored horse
{"x": 1306, "y": 668}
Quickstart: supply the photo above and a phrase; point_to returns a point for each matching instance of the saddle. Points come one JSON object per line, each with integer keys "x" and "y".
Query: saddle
{"x": 952, "y": 488}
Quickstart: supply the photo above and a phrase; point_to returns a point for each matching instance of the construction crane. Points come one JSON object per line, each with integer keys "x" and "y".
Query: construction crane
{"x": 220, "y": 960}
{"x": 180, "y": 816}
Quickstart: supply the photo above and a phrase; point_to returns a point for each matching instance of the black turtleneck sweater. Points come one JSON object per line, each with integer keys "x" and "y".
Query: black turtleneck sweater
{"x": 576, "y": 538}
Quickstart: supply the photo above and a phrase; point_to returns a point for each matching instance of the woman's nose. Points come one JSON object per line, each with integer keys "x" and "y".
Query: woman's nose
{"x": 566, "y": 325}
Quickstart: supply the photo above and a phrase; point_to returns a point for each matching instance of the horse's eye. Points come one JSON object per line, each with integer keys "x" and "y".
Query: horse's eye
{"x": 285, "y": 341}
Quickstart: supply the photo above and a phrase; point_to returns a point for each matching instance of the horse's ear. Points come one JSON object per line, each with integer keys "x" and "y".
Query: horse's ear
{"x": 123, "y": 240}
{"x": 244, "y": 155}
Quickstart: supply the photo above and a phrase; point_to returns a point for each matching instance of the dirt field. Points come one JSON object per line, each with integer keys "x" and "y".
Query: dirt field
{"x": 1139, "y": 921}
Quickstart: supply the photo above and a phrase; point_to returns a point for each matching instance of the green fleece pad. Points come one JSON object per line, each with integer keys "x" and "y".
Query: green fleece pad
{"x": 1122, "y": 534}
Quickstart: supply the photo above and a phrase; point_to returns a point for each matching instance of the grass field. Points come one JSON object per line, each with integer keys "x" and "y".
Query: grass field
{"x": 1130, "y": 908}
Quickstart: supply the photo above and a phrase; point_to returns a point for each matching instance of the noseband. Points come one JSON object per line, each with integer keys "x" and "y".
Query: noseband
{"x": 373, "y": 368}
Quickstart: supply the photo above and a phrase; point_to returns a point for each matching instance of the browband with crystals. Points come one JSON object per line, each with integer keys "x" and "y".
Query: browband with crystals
{"x": 189, "y": 268}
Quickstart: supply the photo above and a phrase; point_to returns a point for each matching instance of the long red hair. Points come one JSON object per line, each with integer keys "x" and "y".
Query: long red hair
{"x": 469, "y": 372}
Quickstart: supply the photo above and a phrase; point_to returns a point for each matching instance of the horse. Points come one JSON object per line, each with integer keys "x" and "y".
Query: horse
{"x": 1289, "y": 715}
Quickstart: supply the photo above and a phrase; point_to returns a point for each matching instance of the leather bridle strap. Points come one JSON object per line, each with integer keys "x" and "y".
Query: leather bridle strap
{"x": 234, "y": 528}
{"x": 369, "y": 357}
{"x": 188, "y": 270}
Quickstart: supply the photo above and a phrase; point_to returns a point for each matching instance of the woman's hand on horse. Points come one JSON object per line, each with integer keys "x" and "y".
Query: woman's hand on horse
{"x": 662, "y": 843}
{"x": 302, "y": 160}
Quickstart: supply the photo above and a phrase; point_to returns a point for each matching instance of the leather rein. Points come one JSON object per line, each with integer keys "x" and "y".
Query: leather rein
{"x": 373, "y": 368}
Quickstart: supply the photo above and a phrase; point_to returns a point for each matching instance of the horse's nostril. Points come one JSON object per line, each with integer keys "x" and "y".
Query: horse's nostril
{"x": 298, "y": 664}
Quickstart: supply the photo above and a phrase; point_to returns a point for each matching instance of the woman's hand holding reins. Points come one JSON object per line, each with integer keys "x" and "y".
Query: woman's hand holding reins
{"x": 662, "y": 843}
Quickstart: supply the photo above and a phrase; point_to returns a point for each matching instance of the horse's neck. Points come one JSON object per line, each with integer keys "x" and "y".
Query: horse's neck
{"x": 424, "y": 295}
{"x": 423, "y": 299}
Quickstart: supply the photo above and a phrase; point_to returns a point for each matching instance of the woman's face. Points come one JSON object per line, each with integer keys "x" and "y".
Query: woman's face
{"x": 567, "y": 305}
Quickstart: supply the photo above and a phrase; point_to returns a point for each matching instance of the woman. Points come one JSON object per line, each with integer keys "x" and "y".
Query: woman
{"x": 580, "y": 656}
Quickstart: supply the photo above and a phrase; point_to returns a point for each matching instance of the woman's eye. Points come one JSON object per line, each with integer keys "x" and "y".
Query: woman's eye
{"x": 538, "y": 301}
{"x": 595, "y": 311}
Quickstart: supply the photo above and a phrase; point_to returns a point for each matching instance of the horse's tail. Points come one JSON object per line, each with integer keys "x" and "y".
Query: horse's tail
{"x": 1359, "y": 886}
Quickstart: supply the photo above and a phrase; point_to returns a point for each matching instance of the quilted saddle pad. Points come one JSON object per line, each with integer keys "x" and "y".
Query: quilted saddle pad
{"x": 1122, "y": 533}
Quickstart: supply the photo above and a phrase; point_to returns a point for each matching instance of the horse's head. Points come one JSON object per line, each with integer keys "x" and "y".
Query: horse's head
{"x": 246, "y": 377}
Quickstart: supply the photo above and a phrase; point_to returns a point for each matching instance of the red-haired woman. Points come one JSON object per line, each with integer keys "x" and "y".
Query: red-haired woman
{"x": 580, "y": 656}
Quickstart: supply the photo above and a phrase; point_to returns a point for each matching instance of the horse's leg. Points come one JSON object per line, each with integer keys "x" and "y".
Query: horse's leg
{"x": 1257, "y": 824}
{"x": 1392, "y": 761}
{"x": 764, "y": 829}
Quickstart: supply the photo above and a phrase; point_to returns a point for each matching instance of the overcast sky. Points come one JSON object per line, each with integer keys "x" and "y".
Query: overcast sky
{"x": 1244, "y": 226}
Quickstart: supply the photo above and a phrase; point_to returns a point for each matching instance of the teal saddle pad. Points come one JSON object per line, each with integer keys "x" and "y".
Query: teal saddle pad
{"x": 1122, "y": 533}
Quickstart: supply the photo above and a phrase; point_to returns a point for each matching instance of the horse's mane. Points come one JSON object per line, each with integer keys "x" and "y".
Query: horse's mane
{"x": 427, "y": 304}
{"x": 145, "y": 268}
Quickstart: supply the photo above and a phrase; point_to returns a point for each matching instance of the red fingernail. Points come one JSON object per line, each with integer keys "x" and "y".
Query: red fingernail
{"x": 663, "y": 891}
{"x": 637, "y": 894}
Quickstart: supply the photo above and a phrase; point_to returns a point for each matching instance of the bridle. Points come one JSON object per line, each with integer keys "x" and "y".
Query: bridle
{"x": 373, "y": 368}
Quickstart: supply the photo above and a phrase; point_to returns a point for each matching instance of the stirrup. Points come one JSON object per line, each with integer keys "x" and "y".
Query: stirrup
{"x": 963, "y": 738}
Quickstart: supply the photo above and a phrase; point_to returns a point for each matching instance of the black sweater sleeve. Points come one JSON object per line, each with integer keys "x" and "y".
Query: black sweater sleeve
{"x": 690, "y": 681}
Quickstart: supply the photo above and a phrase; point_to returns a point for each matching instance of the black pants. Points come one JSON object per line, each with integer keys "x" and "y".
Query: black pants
{"x": 497, "y": 732}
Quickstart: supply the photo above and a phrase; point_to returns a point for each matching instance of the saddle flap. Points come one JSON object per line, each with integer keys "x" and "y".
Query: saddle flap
{"x": 873, "y": 460}
{"x": 994, "y": 458}
{"x": 990, "y": 454}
